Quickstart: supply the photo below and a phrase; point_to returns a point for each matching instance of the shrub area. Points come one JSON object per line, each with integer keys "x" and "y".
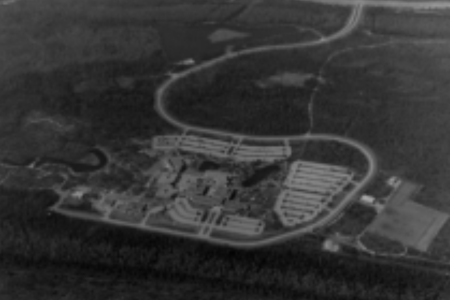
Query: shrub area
{"x": 381, "y": 245}
{"x": 230, "y": 92}
{"x": 356, "y": 218}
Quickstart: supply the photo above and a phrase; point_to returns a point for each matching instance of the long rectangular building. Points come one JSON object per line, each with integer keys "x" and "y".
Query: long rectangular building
{"x": 241, "y": 225}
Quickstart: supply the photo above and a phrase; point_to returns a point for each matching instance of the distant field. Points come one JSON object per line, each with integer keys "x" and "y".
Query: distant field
{"x": 412, "y": 224}
{"x": 322, "y": 17}
{"x": 408, "y": 23}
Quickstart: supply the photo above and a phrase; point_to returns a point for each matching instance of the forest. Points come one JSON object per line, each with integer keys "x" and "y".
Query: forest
{"x": 231, "y": 94}
{"x": 103, "y": 113}
{"x": 33, "y": 236}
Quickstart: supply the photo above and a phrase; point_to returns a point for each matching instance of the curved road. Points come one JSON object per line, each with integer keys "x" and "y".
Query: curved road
{"x": 371, "y": 173}
{"x": 350, "y": 25}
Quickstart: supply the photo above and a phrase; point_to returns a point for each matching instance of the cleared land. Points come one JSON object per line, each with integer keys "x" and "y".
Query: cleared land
{"x": 410, "y": 223}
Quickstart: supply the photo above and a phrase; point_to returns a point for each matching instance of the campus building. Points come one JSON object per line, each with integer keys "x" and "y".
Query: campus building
{"x": 222, "y": 149}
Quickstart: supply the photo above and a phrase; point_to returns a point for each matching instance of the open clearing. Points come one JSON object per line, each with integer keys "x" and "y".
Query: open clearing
{"x": 223, "y": 35}
{"x": 410, "y": 223}
{"x": 295, "y": 79}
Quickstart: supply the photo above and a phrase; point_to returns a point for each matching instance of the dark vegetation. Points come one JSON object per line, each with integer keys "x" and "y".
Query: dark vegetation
{"x": 64, "y": 65}
{"x": 381, "y": 245}
{"x": 313, "y": 15}
{"x": 101, "y": 115}
{"x": 393, "y": 99}
{"x": 54, "y": 282}
{"x": 379, "y": 187}
{"x": 440, "y": 245}
{"x": 260, "y": 174}
{"x": 85, "y": 207}
{"x": 322, "y": 17}
{"x": 182, "y": 41}
{"x": 230, "y": 93}
{"x": 335, "y": 153}
{"x": 208, "y": 165}
{"x": 30, "y": 235}
{"x": 357, "y": 217}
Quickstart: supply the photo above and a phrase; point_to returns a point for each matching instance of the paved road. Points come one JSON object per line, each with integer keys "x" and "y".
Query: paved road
{"x": 350, "y": 197}
{"x": 351, "y": 24}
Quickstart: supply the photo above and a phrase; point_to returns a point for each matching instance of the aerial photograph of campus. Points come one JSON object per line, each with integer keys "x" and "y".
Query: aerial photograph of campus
{"x": 224, "y": 149}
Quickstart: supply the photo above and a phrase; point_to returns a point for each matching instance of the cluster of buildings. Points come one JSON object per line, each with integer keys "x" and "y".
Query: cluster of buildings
{"x": 214, "y": 219}
{"x": 223, "y": 149}
{"x": 206, "y": 200}
{"x": 210, "y": 200}
{"x": 173, "y": 177}
{"x": 308, "y": 189}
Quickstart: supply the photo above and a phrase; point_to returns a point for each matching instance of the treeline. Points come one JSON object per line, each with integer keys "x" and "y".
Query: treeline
{"x": 29, "y": 234}
{"x": 53, "y": 281}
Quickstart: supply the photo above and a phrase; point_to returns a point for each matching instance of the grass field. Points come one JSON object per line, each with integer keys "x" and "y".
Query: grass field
{"x": 408, "y": 222}
{"x": 411, "y": 224}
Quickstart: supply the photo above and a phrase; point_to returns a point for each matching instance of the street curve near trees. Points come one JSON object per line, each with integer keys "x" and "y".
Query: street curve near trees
{"x": 160, "y": 107}
{"x": 351, "y": 24}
